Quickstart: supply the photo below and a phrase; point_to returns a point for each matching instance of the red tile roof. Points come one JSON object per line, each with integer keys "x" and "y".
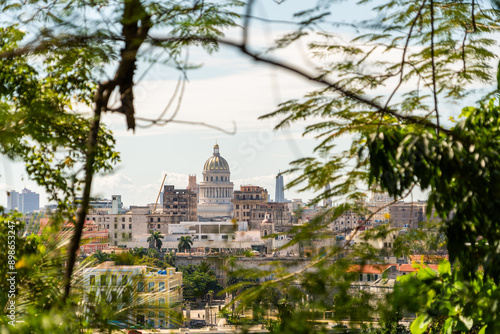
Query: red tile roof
{"x": 369, "y": 268}
{"x": 409, "y": 267}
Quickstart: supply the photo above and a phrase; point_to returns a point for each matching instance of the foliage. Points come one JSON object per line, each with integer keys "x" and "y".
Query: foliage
{"x": 448, "y": 294}
{"x": 185, "y": 243}
{"x": 155, "y": 240}
{"x": 199, "y": 280}
{"x": 386, "y": 90}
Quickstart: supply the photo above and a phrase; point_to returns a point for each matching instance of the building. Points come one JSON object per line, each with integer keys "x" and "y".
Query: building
{"x": 407, "y": 214}
{"x": 121, "y": 227}
{"x": 193, "y": 186}
{"x": 206, "y": 236}
{"x": 27, "y": 201}
{"x": 179, "y": 204}
{"x": 279, "y": 213}
{"x": 280, "y": 190}
{"x": 13, "y": 200}
{"x": 216, "y": 189}
{"x": 348, "y": 220}
{"x": 248, "y": 198}
{"x": 153, "y": 295}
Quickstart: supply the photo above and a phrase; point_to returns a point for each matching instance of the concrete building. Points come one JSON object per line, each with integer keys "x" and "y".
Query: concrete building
{"x": 216, "y": 189}
{"x": 247, "y": 198}
{"x": 179, "y": 204}
{"x": 152, "y": 294}
{"x": 347, "y": 221}
{"x": 222, "y": 236}
{"x": 407, "y": 214}
{"x": 29, "y": 201}
{"x": 280, "y": 191}
{"x": 13, "y": 200}
{"x": 122, "y": 227}
{"x": 279, "y": 213}
{"x": 25, "y": 202}
{"x": 193, "y": 186}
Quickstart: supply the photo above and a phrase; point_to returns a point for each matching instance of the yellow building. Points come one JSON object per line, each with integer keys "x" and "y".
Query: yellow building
{"x": 140, "y": 294}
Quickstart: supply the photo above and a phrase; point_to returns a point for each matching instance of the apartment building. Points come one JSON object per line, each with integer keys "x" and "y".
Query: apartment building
{"x": 153, "y": 295}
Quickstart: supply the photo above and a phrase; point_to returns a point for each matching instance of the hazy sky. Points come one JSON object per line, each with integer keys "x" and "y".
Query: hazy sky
{"x": 229, "y": 91}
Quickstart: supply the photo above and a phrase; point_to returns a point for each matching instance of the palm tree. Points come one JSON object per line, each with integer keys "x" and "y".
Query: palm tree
{"x": 140, "y": 252}
{"x": 155, "y": 240}
{"x": 100, "y": 256}
{"x": 185, "y": 243}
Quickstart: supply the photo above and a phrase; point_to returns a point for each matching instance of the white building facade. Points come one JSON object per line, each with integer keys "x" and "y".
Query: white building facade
{"x": 216, "y": 189}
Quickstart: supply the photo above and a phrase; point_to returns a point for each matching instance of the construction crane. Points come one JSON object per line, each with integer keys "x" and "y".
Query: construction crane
{"x": 158, "y": 197}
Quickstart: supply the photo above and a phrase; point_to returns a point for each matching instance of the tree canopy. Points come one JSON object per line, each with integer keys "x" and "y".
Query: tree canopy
{"x": 389, "y": 88}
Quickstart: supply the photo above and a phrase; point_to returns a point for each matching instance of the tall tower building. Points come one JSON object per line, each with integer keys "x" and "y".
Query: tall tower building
{"x": 29, "y": 201}
{"x": 193, "y": 186}
{"x": 13, "y": 200}
{"x": 216, "y": 189}
{"x": 280, "y": 191}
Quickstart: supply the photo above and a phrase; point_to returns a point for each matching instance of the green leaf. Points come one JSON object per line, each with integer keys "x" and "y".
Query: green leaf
{"x": 444, "y": 268}
{"x": 419, "y": 325}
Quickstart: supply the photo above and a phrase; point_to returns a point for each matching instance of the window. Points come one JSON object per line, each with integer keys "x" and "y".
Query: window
{"x": 130, "y": 235}
{"x": 368, "y": 277}
{"x": 237, "y": 214}
{"x": 151, "y": 286}
{"x": 204, "y": 237}
{"x": 216, "y": 178}
{"x": 107, "y": 226}
{"x": 103, "y": 280}
{"x": 237, "y": 206}
{"x": 124, "y": 279}
{"x": 130, "y": 219}
{"x": 162, "y": 302}
{"x": 92, "y": 280}
{"x": 116, "y": 236}
{"x": 130, "y": 226}
{"x": 158, "y": 225}
{"x": 113, "y": 279}
{"x": 116, "y": 219}
{"x": 161, "y": 314}
{"x": 158, "y": 219}
{"x": 224, "y": 237}
{"x": 211, "y": 178}
{"x": 123, "y": 219}
{"x": 361, "y": 277}
{"x": 116, "y": 226}
{"x": 161, "y": 286}
{"x": 124, "y": 235}
{"x": 151, "y": 219}
{"x": 140, "y": 286}
{"x": 123, "y": 226}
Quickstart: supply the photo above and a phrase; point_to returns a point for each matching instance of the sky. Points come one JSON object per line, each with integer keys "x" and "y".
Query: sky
{"x": 230, "y": 92}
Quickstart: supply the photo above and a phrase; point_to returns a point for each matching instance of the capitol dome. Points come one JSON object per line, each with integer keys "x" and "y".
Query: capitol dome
{"x": 216, "y": 163}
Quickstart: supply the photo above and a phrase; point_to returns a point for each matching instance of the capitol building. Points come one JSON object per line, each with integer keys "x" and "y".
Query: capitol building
{"x": 216, "y": 189}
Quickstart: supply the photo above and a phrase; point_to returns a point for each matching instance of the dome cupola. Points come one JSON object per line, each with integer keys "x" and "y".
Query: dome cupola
{"x": 216, "y": 163}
